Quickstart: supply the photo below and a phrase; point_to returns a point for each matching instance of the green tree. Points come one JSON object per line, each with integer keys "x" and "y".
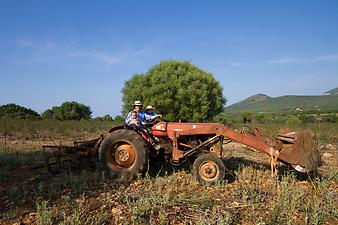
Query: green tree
{"x": 68, "y": 111}
{"x": 48, "y": 114}
{"x": 248, "y": 117}
{"x": 178, "y": 90}
{"x": 14, "y": 111}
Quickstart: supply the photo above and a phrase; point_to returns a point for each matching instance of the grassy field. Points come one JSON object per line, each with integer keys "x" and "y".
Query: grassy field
{"x": 82, "y": 194}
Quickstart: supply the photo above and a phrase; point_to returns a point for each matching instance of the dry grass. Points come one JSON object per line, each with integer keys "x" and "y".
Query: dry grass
{"x": 83, "y": 195}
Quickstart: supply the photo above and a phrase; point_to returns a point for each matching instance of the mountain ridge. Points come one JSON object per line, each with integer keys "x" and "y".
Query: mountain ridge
{"x": 264, "y": 103}
{"x": 332, "y": 92}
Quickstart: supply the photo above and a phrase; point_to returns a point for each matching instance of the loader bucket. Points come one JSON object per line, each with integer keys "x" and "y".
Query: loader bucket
{"x": 299, "y": 149}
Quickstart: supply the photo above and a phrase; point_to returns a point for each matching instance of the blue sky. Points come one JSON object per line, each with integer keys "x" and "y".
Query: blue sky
{"x": 56, "y": 51}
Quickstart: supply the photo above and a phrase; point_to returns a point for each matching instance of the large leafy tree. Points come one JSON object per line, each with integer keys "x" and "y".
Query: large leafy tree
{"x": 178, "y": 90}
{"x": 68, "y": 111}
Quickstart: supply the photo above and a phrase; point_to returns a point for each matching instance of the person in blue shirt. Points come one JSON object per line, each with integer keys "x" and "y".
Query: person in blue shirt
{"x": 140, "y": 117}
{"x": 150, "y": 116}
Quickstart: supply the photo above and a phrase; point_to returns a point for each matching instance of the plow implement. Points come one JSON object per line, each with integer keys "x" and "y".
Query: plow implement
{"x": 55, "y": 154}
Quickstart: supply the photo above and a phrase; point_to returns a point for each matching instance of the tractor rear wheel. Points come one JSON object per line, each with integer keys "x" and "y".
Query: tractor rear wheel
{"x": 208, "y": 169}
{"x": 124, "y": 154}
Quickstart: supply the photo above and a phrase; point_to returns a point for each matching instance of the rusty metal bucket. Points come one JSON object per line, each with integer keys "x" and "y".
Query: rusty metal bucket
{"x": 300, "y": 150}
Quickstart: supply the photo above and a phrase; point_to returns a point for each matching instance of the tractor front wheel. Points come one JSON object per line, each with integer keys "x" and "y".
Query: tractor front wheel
{"x": 124, "y": 154}
{"x": 208, "y": 169}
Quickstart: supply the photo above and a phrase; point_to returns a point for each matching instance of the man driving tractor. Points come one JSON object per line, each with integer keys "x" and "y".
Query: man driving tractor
{"x": 150, "y": 116}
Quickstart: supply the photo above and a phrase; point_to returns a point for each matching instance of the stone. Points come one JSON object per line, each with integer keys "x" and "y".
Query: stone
{"x": 327, "y": 155}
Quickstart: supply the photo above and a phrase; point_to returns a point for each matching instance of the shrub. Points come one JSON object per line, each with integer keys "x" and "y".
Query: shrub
{"x": 293, "y": 120}
{"x": 14, "y": 111}
{"x": 332, "y": 118}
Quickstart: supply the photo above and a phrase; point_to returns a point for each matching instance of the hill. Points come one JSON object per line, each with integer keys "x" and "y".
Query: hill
{"x": 332, "y": 92}
{"x": 265, "y": 103}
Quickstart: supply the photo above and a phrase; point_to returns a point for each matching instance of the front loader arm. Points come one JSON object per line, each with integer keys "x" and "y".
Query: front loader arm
{"x": 255, "y": 141}
{"x": 297, "y": 149}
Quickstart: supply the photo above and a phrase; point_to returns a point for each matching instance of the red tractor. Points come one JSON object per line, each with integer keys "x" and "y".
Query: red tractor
{"x": 124, "y": 153}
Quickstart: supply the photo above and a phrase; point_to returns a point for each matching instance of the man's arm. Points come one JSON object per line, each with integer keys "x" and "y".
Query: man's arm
{"x": 155, "y": 116}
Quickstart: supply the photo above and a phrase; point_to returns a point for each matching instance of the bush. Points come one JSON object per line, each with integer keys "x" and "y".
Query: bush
{"x": 307, "y": 118}
{"x": 264, "y": 118}
{"x": 293, "y": 120}
{"x": 247, "y": 117}
{"x": 14, "y": 111}
{"x": 332, "y": 118}
{"x": 227, "y": 119}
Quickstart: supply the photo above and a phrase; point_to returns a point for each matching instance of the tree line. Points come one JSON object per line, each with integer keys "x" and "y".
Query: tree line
{"x": 66, "y": 111}
{"x": 290, "y": 117}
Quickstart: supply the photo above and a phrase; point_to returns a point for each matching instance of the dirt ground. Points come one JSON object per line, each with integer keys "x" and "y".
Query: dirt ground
{"x": 82, "y": 194}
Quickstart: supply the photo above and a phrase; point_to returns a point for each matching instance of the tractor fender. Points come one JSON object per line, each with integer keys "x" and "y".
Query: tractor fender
{"x": 139, "y": 132}
{"x": 120, "y": 127}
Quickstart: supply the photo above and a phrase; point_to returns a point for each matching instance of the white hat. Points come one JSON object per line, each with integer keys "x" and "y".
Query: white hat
{"x": 139, "y": 103}
{"x": 149, "y": 107}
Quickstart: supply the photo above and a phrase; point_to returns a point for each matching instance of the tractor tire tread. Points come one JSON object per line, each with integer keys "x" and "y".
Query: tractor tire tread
{"x": 208, "y": 157}
{"x": 141, "y": 151}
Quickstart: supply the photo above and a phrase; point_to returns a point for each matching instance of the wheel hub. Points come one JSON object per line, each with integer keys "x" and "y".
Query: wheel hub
{"x": 209, "y": 170}
{"x": 122, "y": 154}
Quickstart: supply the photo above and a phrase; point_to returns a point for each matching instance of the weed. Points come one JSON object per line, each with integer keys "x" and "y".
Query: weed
{"x": 250, "y": 187}
{"x": 223, "y": 217}
{"x": 251, "y": 197}
{"x": 321, "y": 205}
{"x": 40, "y": 128}
{"x": 76, "y": 217}
{"x": 289, "y": 200}
{"x": 9, "y": 214}
{"x": 44, "y": 214}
